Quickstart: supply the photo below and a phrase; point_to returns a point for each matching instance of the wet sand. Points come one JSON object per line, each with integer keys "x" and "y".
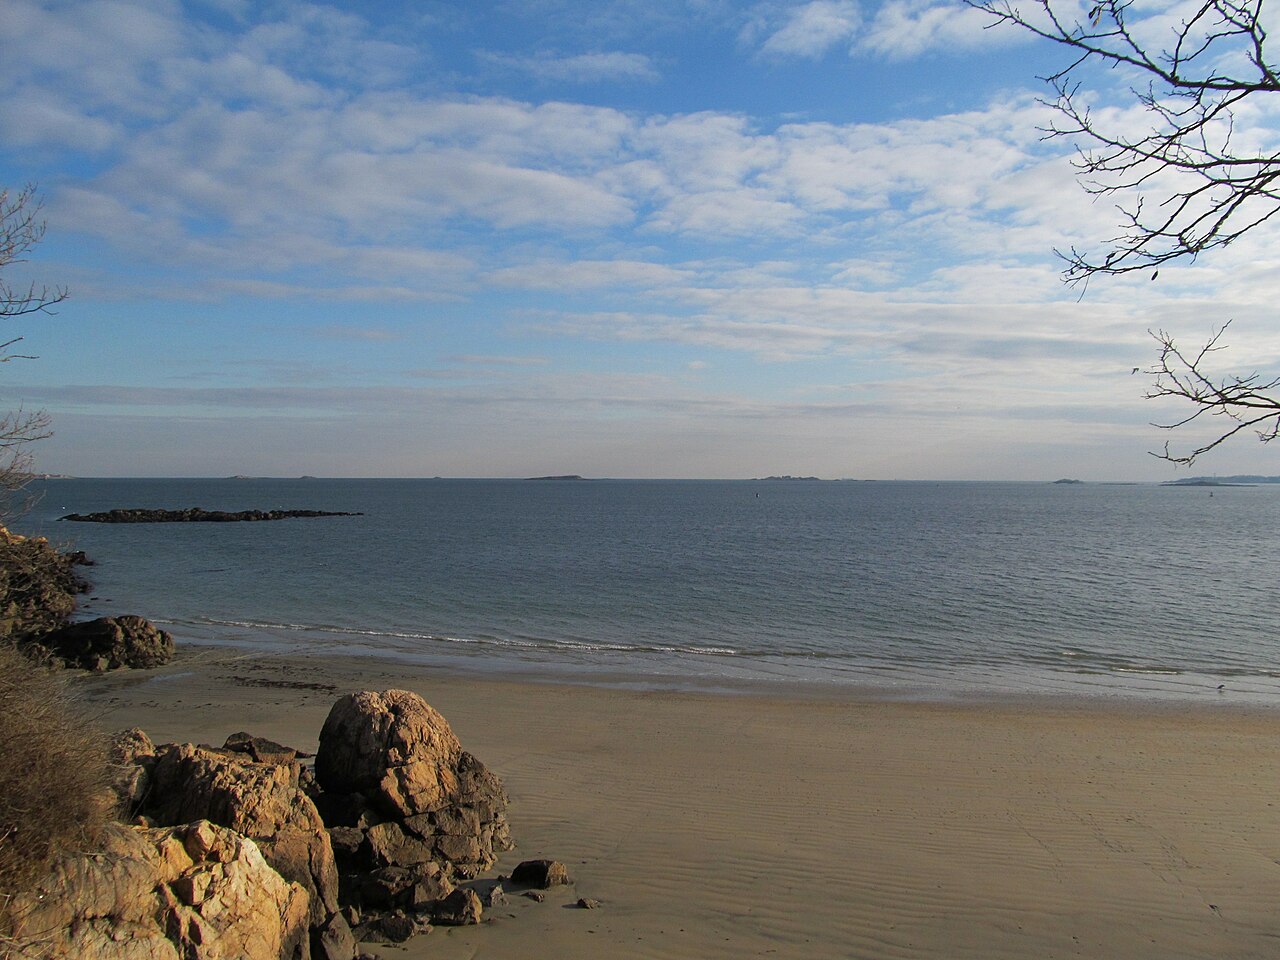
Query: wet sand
{"x": 814, "y": 826}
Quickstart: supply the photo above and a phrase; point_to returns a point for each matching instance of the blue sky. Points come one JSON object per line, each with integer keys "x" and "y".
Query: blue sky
{"x": 640, "y": 239}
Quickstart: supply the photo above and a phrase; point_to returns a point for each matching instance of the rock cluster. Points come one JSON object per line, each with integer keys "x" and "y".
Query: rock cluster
{"x": 38, "y": 588}
{"x": 409, "y": 818}
{"x": 250, "y": 786}
{"x": 409, "y": 811}
{"x": 109, "y": 643}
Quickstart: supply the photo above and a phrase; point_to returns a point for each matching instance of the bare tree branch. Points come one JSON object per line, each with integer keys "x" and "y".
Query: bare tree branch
{"x": 1248, "y": 402}
{"x": 20, "y": 230}
{"x": 1184, "y": 182}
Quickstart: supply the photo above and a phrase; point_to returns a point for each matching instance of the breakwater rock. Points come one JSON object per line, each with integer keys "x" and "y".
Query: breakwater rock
{"x": 197, "y": 515}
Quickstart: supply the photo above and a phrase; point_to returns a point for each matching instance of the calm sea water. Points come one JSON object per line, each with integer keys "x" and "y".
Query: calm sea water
{"x": 913, "y": 589}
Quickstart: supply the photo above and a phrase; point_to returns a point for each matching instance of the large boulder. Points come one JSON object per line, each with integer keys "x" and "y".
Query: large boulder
{"x": 394, "y": 748}
{"x": 108, "y": 643}
{"x": 409, "y": 810}
{"x": 194, "y": 892}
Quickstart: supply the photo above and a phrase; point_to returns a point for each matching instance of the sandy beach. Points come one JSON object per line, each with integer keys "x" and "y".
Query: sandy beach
{"x": 813, "y": 826}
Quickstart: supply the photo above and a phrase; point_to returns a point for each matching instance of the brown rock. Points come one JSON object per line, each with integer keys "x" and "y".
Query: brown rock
{"x": 586, "y": 903}
{"x": 435, "y": 800}
{"x": 261, "y": 801}
{"x": 146, "y": 898}
{"x": 261, "y": 749}
{"x": 38, "y": 587}
{"x": 333, "y": 941}
{"x": 460, "y": 850}
{"x": 430, "y": 883}
{"x": 454, "y": 821}
{"x": 540, "y": 873}
{"x": 130, "y": 746}
{"x": 393, "y": 747}
{"x": 390, "y": 845}
{"x": 460, "y": 908}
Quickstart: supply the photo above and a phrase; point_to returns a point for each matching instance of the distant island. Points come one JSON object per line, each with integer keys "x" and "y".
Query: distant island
{"x": 788, "y": 477}
{"x": 1239, "y": 480}
{"x": 197, "y": 515}
{"x": 566, "y": 476}
{"x": 1064, "y": 480}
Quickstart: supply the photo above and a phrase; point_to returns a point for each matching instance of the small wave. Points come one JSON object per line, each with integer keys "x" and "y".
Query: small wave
{"x": 508, "y": 642}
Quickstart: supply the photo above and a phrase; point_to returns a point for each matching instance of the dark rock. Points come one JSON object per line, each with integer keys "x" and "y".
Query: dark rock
{"x": 535, "y": 895}
{"x": 586, "y": 903}
{"x": 384, "y": 889}
{"x": 460, "y": 908}
{"x": 345, "y": 809}
{"x": 540, "y": 873}
{"x": 38, "y": 587}
{"x": 197, "y": 515}
{"x": 394, "y": 928}
{"x": 495, "y": 896}
{"x": 347, "y": 843}
{"x": 261, "y": 749}
{"x": 110, "y": 642}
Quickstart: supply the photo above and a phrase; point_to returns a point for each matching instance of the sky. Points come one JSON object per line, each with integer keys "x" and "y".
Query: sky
{"x": 616, "y": 238}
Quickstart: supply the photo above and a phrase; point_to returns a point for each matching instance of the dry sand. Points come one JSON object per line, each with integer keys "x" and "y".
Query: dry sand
{"x": 807, "y": 827}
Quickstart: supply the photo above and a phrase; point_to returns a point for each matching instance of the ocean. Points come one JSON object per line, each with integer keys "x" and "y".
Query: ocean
{"x": 896, "y": 589}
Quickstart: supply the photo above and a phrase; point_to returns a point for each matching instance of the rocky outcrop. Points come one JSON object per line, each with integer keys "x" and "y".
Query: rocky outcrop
{"x": 109, "y": 643}
{"x": 194, "y": 892}
{"x": 197, "y": 515}
{"x": 263, "y": 801}
{"x": 229, "y": 855}
{"x": 410, "y": 812}
{"x": 38, "y": 586}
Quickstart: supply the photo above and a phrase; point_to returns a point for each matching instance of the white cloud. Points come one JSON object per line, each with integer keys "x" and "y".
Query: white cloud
{"x": 597, "y": 67}
{"x": 913, "y": 250}
{"x": 590, "y": 275}
{"x": 807, "y": 30}
{"x": 909, "y": 28}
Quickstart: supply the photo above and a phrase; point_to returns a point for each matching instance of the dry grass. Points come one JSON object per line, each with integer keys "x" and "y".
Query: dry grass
{"x": 52, "y": 776}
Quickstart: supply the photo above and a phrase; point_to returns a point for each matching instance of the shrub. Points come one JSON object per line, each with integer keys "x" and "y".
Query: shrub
{"x": 53, "y": 776}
